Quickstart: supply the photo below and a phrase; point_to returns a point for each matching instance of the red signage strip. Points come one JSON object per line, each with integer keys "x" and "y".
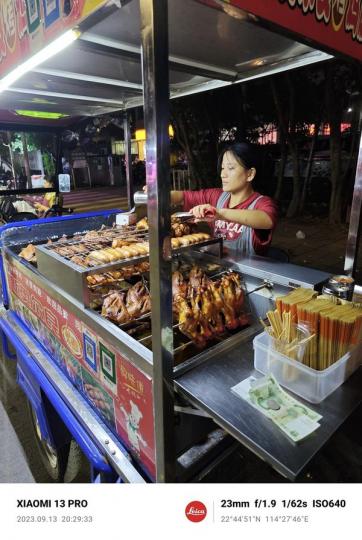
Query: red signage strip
{"x": 28, "y": 25}
{"x": 335, "y": 25}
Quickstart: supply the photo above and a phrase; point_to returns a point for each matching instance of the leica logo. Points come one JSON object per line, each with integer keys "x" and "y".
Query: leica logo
{"x": 195, "y": 511}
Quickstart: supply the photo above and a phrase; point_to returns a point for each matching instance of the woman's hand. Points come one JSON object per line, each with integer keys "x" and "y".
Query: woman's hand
{"x": 204, "y": 211}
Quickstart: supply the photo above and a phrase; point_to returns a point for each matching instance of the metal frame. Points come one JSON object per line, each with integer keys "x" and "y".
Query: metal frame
{"x": 61, "y": 95}
{"x": 90, "y": 78}
{"x": 128, "y": 158}
{"x": 354, "y": 231}
{"x": 154, "y": 38}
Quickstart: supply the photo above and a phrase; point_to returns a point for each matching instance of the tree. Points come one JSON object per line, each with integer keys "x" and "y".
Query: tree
{"x": 288, "y": 127}
{"x": 340, "y": 77}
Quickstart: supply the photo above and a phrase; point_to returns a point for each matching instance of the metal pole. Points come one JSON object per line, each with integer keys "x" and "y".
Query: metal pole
{"x": 154, "y": 38}
{"x": 128, "y": 156}
{"x": 350, "y": 260}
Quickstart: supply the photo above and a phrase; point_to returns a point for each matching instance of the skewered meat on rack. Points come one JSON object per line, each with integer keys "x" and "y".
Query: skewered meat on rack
{"x": 179, "y": 229}
{"x": 118, "y": 275}
{"x": 108, "y": 255}
{"x": 79, "y": 261}
{"x": 122, "y": 249}
{"x": 189, "y": 239}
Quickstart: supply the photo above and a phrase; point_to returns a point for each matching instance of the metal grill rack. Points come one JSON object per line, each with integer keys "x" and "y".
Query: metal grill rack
{"x": 81, "y": 246}
{"x": 72, "y": 277}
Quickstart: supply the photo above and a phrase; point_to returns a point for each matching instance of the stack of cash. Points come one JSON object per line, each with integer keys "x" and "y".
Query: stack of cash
{"x": 292, "y": 417}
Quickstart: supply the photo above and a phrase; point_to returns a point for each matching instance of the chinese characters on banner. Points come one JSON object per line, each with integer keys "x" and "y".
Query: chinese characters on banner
{"x": 120, "y": 392}
{"x": 28, "y": 25}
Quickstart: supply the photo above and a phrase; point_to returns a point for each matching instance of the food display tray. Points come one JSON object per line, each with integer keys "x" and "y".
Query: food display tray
{"x": 73, "y": 278}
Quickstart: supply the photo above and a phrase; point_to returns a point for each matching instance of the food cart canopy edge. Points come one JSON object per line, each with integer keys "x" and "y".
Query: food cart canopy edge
{"x": 101, "y": 71}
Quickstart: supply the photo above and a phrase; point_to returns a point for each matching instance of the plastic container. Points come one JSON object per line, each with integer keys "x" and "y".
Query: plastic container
{"x": 312, "y": 385}
{"x": 301, "y": 333}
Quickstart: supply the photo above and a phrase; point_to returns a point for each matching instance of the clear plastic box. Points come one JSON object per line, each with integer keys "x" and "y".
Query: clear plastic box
{"x": 312, "y": 385}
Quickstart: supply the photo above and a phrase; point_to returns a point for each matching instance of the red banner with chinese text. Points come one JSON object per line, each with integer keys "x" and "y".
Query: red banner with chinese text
{"x": 120, "y": 392}
{"x": 28, "y": 25}
{"x": 335, "y": 25}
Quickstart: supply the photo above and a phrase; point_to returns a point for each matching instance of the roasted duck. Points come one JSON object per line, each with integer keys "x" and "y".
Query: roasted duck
{"x": 124, "y": 307}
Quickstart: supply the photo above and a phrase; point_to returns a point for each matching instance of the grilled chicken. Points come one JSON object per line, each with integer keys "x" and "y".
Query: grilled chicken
{"x": 188, "y": 325}
{"x": 197, "y": 279}
{"x": 227, "y": 311}
{"x": 179, "y": 286}
{"x": 209, "y": 307}
{"x": 122, "y": 307}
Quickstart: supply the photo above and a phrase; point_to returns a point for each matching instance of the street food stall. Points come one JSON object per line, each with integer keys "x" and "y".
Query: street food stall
{"x": 135, "y": 334}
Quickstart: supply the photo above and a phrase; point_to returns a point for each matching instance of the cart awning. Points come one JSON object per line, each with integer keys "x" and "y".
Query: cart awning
{"x": 334, "y": 25}
{"x": 101, "y": 71}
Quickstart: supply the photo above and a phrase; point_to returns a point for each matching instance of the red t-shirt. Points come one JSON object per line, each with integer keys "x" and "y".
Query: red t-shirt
{"x": 230, "y": 230}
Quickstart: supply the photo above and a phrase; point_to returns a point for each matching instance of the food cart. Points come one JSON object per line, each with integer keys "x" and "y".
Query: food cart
{"x": 137, "y": 405}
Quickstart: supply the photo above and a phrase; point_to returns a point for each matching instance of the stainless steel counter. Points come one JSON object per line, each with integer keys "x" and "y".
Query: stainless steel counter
{"x": 208, "y": 388}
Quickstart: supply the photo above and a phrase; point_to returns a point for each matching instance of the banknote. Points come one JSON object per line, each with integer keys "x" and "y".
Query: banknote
{"x": 291, "y": 416}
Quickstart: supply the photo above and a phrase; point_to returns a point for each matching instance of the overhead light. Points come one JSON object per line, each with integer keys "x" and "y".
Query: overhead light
{"x": 349, "y": 109}
{"x": 41, "y": 114}
{"x": 59, "y": 44}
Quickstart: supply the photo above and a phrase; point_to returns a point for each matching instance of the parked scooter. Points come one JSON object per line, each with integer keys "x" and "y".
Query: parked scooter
{"x": 9, "y": 214}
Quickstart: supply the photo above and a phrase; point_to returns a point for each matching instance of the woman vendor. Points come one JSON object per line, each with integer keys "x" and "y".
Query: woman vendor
{"x": 244, "y": 218}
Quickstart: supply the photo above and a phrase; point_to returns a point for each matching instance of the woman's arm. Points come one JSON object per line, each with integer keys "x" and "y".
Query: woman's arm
{"x": 257, "y": 219}
{"x": 177, "y": 198}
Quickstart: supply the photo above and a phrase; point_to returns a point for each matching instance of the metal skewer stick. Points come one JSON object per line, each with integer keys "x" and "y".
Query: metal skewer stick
{"x": 265, "y": 285}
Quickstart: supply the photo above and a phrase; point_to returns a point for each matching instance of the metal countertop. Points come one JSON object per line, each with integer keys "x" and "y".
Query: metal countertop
{"x": 208, "y": 388}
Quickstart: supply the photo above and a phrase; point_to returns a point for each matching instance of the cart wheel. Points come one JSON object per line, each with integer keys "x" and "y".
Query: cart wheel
{"x": 77, "y": 469}
{"x": 54, "y": 459}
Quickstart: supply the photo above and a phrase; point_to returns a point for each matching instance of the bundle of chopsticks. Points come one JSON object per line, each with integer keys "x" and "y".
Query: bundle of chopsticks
{"x": 335, "y": 325}
{"x": 287, "y": 336}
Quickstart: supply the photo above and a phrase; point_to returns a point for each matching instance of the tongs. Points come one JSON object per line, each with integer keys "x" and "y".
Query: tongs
{"x": 187, "y": 216}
